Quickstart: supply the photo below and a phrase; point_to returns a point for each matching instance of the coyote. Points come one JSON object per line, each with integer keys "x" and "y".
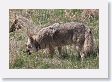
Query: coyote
{"x": 21, "y": 22}
{"x": 58, "y": 35}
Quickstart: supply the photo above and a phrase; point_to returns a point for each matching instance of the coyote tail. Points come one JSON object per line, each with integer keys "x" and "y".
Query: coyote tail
{"x": 88, "y": 43}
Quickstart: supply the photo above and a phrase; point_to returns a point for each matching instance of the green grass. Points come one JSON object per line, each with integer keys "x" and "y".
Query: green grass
{"x": 19, "y": 59}
{"x": 40, "y": 61}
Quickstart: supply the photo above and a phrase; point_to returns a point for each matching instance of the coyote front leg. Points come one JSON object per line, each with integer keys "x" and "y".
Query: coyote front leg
{"x": 51, "y": 51}
{"x": 80, "y": 53}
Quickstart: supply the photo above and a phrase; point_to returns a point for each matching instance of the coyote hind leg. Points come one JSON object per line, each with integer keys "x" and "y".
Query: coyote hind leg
{"x": 51, "y": 51}
{"x": 82, "y": 56}
{"x": 60, "y": 50}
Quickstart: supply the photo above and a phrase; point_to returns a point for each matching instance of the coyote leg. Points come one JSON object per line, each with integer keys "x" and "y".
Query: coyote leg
{"x": 59, "y": 50}
{"x": 51, "y": 51}
{"x": 79, "y": 51}
{"x": 82, "y": 56}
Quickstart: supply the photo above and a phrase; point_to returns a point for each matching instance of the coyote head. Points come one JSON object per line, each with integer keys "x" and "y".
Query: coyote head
{"x": 20, "y": 22}
{"x": 15, "y": 26}
{"x": 32, "y": 45}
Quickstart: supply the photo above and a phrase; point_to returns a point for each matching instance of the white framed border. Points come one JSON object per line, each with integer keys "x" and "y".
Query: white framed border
{"x": 102, "y": 72}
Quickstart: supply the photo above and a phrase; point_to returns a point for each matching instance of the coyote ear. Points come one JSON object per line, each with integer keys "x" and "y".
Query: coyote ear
{"x": 15, "y": 17}
{"x": 90, "y": 31}
{"x": 16, "y": 21}
{"x": 30, "y": 36}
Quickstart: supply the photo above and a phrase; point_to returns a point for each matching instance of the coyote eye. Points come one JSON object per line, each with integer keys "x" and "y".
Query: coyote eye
{"x": 29, "y": 46}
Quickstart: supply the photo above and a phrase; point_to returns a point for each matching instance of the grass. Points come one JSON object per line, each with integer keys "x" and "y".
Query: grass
{"x": 19, "y": 59}
{"x": 40, "y": 61}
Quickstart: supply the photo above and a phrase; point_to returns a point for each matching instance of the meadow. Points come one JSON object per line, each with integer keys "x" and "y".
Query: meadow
{"x": 19, "y": 59}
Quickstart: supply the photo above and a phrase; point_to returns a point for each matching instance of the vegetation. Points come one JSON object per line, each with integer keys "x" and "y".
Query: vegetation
{"x": 19, "y": 59}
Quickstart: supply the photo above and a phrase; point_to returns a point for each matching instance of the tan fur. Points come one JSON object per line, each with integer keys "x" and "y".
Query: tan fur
{"x": 21, "y": 22}
{"x": 88, "y": 43}
{"x": 58, "y": 35}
